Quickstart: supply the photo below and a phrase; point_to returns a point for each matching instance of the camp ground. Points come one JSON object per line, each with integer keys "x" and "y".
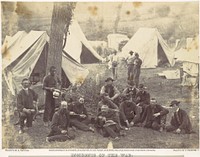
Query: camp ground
{"x": 168, "y": 73}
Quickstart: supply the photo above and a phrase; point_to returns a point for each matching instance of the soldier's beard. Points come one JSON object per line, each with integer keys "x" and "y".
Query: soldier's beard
{"x": 63, "y": 110}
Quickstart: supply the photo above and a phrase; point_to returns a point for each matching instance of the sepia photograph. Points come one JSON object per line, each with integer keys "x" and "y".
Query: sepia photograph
{"x": 100, "y": 75}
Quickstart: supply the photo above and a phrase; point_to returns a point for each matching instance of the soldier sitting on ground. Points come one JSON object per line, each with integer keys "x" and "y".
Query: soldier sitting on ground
{"x": 155, "y": 116}
{"x": 79, "y": 116}
{"x": 60, "y": 124}
{"x": 180, "y": 121}
{"x": 107, "y": 123}
{"x": 129, "y": 113}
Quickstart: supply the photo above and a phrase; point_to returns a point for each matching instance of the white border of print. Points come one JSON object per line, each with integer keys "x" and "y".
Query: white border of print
{"x": 93, "y": 152}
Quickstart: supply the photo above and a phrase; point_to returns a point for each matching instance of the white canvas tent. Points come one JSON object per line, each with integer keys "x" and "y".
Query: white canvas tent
{"x": 190, "y": 62}
{"x": 78, "y": 47}
{"x": 190, "y": 59}
{"x": 29, "y": 56}
{"x": 151, "y": 47}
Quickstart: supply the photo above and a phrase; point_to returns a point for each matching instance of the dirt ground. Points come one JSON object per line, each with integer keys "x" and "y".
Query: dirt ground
{"x": 162, "y": 89}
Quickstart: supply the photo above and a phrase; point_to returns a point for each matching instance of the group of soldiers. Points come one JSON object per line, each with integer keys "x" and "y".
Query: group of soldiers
{"x": 116, "y": 112}
{"x": 133, "y": 65}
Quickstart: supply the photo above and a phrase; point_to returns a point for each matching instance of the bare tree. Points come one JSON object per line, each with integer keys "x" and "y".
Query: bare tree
{"x": 118, "y": 17}
{"x": 61, "y": 18}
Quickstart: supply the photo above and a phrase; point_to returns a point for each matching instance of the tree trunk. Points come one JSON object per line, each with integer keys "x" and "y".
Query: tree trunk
{"x": 61, "y": 18}
{"x": 117, "y": 18}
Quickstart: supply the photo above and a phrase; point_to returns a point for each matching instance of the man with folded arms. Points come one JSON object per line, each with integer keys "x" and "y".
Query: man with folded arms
{"x": 109, "y": 91}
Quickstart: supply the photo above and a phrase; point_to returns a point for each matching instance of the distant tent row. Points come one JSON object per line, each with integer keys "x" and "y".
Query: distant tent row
{"x": 151, "y": 47}
{"x": 24, "y": 55}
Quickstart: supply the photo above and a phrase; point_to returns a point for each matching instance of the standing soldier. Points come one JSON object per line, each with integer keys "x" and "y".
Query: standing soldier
{"x": 114, "y": 60}
{"x": 130, "y": 65}
{"x": 50, "y": 83}
{"x": 136, "y": 69}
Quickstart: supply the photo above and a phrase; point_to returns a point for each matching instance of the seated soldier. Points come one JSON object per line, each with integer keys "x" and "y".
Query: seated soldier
{"x": 130, "y": 91}
{"x": 79, "y": 117}
{"x": 26, "y": 105}
{"x": 111, "y": 105}
{"x": 129, "y": 113}
{"x": 142, "y": 96}
{"x": 60, "y": 123}
{"x": 105, "y": 101}
{"x": 180, "y": 121}
{"x": 142, "y": 99}
{"x": 107, "y": 123}
{"x": 155, "y": 116}
{"x": 109, "y": 90}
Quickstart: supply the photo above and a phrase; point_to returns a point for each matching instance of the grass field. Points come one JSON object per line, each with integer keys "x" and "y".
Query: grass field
{"x": 162, "y": 89}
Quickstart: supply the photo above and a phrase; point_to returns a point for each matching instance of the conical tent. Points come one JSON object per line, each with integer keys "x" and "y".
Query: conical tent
{"x": 151, "y": 47}
{"x": 28, "y": 57}
{"x": 78, "y": 47}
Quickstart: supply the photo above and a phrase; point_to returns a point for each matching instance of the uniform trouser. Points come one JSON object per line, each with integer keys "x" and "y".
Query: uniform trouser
{"x": 136, "y": 76}
{"x": 60, "y": 137}
{"x": 130, "y": 72}
{"x": 157, "y": 123}
{"x": 49, "y": 109}
{"x": 172, "y": 128}
{"x": 82, "y": 125}
{"x": 28, "y": 117}
{"x": 111, "y": 131}
{"x": 114, "y": 72}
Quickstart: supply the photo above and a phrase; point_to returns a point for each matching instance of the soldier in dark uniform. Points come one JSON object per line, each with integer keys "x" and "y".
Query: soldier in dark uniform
{"x": 136, "y": 69}
{"x": 79, "y": 116}
{"x": 50, "y": 83}
{"x": 129, "y": 113}
{"x": 180, "y": 121}
{"x": 130, "y": 92}
{"x": 107, "y": 123}
{"x": 109, "y": 90}
{"x": 60, "y": 124}
{"x": 155, "y": 116}
{"x": 26, "y": 105}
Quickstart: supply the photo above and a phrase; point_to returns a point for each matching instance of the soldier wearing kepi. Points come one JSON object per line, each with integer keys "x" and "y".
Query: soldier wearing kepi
{"x": 26, "y": 104}
{"x": 180, "y": 121}
{"x": 50, "y": 83}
